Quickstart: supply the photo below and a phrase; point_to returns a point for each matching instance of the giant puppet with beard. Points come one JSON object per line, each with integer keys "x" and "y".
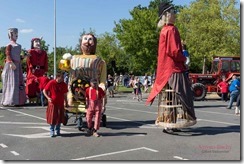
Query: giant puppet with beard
{"x": 84, "y": 67}
{"x": 37, "y": 66}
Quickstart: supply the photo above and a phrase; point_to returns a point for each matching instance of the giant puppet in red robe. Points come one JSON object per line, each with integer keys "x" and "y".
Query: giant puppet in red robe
{"x": 37, "y": 66}
{"x": 171, "y": 62}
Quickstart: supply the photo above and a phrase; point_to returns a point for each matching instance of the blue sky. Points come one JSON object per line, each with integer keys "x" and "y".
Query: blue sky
{"x": 36, "y": 18}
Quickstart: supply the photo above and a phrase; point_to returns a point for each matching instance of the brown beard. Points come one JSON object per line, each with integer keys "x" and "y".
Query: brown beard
{"x": 88, "y": 50}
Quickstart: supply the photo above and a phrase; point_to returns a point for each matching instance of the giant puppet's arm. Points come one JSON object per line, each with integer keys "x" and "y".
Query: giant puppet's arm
{"x": 8, "y": 52}
{"x": 103, "y": 76}
{"x": 28, "y": 60}
{"x": 174, "y": 47}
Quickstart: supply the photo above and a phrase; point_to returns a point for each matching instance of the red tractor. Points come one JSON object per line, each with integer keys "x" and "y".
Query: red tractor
{"x": 207, "y": 83}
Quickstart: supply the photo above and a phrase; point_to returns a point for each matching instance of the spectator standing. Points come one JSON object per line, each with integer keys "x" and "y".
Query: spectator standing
{"x": 110, "y": 85}
{"x": 234, "y": 89}
{"x": 56, "y": 93}
{"x": 223, "y": 85}
{"x": 43, "y": 80}
{"x": 186, "y": 54}
{"x": 116, "y": 82}
{"x": 138, "y": 87}
{"x": 95, "y": 103}
{"x": 145, "y": 83}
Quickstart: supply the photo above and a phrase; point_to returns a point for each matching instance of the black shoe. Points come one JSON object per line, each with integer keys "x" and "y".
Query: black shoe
{"x": 169, "y": 131}
{"x": 176, "y": 130}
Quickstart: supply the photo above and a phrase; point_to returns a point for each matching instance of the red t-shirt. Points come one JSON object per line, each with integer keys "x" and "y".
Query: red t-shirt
{"x": 56, "y": 91}
{"x": 43, "y": 80}
{"x": 94, "y": 93}
{"x": 224, "y": 87}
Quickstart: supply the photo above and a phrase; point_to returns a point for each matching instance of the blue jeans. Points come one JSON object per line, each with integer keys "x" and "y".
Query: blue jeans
{"x": 233, "y": 95}
{"x": 56, "y": 128}
{"x": 42, "y": 98}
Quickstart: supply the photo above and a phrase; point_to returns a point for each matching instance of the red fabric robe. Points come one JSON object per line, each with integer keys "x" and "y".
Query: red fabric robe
{"x": 170, "y": 59}
{"x": 39, "y": 62}
{"x": 55, "y": 109}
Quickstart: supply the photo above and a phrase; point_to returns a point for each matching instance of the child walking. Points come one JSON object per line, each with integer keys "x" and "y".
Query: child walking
{"x": 95, "y": 104}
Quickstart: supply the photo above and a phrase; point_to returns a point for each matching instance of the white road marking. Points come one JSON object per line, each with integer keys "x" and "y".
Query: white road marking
{"x": 117, "y": 152}
{"x": 215, "y": 112}
{"x": 177, "y": 157}
{"x": 220, "y": 122}
{"x": 14, "y": 153}
{"x": 134, "y": 110}
{"x": 39, "y": 135}
{"x": 198, "y": 110}
{"x": 3, "y": 146}
{"x": 27, "y": 114}
{"x": 21, "y": 123}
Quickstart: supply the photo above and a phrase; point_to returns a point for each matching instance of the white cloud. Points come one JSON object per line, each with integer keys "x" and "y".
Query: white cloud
{"x": 20, "y": 20}
{"x": 26, "y": 30}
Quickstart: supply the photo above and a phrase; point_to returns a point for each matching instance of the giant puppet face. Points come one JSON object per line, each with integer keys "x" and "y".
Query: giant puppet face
{"x": 13, "y": 34}
{"x": 166, "y": 14}
{"x": 88, "y": 44}
{"x": 36, "y": 43}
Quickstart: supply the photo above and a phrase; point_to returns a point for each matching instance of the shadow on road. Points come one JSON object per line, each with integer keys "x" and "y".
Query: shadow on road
{"x": 129, "y": 124}
{"x": 207, "y": 130}
{"x": 210, "y": 106}
{"x": 122, "y": 134}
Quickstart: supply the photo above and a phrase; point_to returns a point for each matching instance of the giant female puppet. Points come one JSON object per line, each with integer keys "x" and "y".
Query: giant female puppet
{"x": 12, "y": 75}
{"x": 37, "y": 66}
{"x": 171, "y": 73}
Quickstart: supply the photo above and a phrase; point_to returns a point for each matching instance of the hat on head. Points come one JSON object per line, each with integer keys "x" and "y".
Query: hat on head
{"x": 94, "y": 81}
{"x": 13, "y": 30}
{"x": 32, "y": 40}
{"x": 163, "y": 7}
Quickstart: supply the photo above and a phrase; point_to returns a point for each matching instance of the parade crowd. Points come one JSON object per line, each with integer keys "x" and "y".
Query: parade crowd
{"x": 83, "y": 79}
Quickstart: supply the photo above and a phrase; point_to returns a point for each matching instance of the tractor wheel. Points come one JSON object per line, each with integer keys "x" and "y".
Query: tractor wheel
{"x": 199, "y": 91}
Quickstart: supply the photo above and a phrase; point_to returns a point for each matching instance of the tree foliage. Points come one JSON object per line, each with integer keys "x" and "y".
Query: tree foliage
{"x": 210, "y": 28}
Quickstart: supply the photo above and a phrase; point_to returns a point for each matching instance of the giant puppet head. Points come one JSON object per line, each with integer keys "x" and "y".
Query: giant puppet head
{"x": 13, "y": 34}
{"x": 36, "y": 43}
{"x": 166, "y": 14}
{"x": 88, "y": 44}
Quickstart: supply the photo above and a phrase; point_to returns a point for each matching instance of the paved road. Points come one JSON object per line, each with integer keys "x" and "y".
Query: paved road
{"x": 130, "y": 135}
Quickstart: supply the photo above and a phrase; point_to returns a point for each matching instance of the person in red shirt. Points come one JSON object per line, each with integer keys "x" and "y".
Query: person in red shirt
{"x": 223, "y": 85}
{"x": 56, "y": 93}
{"x": 43, "y": 80}
{"x": 95, "y": 103}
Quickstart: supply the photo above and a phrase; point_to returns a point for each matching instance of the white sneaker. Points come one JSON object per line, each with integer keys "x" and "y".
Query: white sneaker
{"x": 237, "y": 111}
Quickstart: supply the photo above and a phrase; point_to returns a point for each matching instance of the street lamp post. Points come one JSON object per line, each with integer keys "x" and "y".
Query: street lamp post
{"x": 54, "y": 61}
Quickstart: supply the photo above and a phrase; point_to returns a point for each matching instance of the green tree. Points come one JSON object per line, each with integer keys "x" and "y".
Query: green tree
{"x": 109, "y": 49}
{"x": 210, "y": 28}
{"x": 139, "y": 37}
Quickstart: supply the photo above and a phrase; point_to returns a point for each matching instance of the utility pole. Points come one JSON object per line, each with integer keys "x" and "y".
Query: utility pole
{"x": 54, "y": 51}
